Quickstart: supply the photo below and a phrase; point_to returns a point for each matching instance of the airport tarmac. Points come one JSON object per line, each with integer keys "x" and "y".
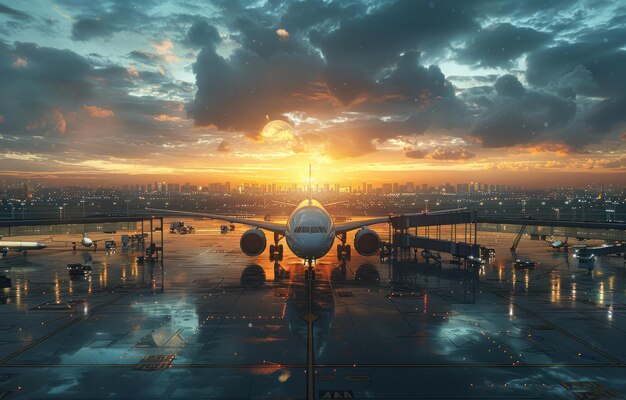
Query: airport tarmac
{"x": 211, "y": 322}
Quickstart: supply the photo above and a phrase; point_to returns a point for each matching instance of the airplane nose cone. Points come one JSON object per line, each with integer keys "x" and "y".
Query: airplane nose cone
{"x": 311, "y": 245}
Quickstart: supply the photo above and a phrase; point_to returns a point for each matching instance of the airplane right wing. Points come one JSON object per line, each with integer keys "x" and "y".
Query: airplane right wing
{"x": 268, "y": 226}
{"x": 352, "y": 225}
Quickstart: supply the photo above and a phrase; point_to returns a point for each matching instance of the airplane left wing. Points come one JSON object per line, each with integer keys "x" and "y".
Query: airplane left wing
{"x": 352, "y": 225}
{"x": 268, "y": 226}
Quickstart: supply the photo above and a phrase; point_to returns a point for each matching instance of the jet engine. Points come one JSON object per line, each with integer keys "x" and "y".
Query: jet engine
{"x": 253, "y": 242}
{"x": 367, "y": 242}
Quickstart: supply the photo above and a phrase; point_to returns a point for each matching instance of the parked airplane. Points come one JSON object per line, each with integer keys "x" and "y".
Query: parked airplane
{"x": 309, "y": 232}
{"x": 86, "y": 241}
{"x": 559, "y": 244}
{"x": 6, "y": 246}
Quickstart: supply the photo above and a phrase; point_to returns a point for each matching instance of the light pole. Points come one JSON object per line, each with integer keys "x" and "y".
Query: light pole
{"x": 12, "y": 210}
{"x": 23, "y": 210}
{"x": 426, "y": 205}
{"x": 83, "y": 201}
{"x": 60, "y": 212}
{"x": 127, "y": 207}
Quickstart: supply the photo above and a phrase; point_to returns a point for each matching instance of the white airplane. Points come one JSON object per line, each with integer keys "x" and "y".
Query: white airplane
{"x": 6, "y": 246}
{"x": 559, "y": 244}
{"x": 309, "y": 232}
{"x": 86, "y": 241}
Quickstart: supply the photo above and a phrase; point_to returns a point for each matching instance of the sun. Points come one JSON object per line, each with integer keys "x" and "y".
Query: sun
{"x": 277, "y": 131}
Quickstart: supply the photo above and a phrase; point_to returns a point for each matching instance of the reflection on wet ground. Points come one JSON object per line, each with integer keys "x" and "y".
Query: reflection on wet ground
{"x": 213, "y": 323}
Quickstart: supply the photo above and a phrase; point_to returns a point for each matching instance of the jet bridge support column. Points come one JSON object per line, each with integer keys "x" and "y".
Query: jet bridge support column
{"x": 518, "y": 238}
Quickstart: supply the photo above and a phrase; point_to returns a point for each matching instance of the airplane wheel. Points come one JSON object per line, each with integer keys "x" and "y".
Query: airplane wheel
{"x": 306, "y": 275}
{"x": 348, "y": 252}
{"x": 280, "y": 256}
{"x": 280, "y": 251}
{"x": 339, "y": 251}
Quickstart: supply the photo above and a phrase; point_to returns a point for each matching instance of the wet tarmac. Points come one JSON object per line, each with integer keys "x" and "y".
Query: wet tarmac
{"x": 211, "y": 322}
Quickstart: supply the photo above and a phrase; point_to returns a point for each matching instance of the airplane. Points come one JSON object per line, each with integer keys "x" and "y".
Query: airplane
{"x": 86, "y": 241}
{"x": 558, "y": 244}
{"x": 310, "y": 233}
{"x": 6, "y": 246}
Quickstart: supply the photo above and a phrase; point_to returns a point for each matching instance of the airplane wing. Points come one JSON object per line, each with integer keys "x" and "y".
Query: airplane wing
{"x": 64, "y": 242}
{"x": 335, "y": 203}
{"x": 268, "y": 226}
{"x": 352, "y": 225}
{"x": 284, "y": 203}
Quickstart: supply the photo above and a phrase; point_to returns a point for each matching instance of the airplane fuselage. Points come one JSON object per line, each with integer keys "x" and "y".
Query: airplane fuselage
{"x": 6, "y": 246}
{"x": 310, "y": 231}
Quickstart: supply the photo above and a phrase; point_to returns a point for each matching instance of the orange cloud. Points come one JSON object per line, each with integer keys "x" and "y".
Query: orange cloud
{"x": 59, "y": 122}
{"x": 20, "y": 63}
{"x": 165, "y": 49}
{"x": 167, "y": 118}
{"x": 132, "y": 71}
{"x": 561, "y": 149}
{"x": 282, "y": 34}
{"x": 97, "y": 112}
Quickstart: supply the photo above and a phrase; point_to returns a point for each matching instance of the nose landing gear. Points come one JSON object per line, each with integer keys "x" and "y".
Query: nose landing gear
{"x": 309, "y": 273}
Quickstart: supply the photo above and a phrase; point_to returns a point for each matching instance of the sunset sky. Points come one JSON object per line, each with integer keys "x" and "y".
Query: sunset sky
{"x": 129, "y": 91}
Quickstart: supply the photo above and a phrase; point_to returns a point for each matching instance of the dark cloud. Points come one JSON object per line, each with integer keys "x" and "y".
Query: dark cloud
{"x": 13, "y": 13}
{"x": 513, "y": 115}
{"x": 303, "y": 15}
{"x": 52, "y": 92}
{"x": 416, "y": 153}
{"x": 103, "y": 19}
{"x": 374, "y": 40}
{"x": 223, "y": 147}
{"x": 268, "y": 77}
{"x": 145, "y": 57}
{"x": 508, "y": 85}
{"x": 202, "y": 34}
{"x": 604, "y": 64}
{"x": 500, "y": 45}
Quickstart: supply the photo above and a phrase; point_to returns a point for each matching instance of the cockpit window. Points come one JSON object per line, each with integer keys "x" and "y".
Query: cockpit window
{"x": 310, "y": 229}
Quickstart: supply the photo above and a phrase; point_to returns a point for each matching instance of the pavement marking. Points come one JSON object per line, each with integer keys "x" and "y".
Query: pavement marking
{"x": 310, "y": 319}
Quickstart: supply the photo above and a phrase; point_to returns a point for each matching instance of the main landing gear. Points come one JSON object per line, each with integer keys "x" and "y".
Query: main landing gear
{"x": 344, "y": 251}
{"x": 276, "y": 250}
